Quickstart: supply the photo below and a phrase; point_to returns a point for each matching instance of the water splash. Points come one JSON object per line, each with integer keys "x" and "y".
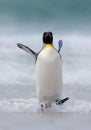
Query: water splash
{"x": 32, "y": 105}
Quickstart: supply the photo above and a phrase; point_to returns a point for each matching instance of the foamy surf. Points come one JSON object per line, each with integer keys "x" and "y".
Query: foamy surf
{"x": 32, "y": 105}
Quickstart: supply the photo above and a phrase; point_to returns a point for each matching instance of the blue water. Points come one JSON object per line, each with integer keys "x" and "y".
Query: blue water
{"x": 25, "y": 22}
{"x": 56, "y": 15}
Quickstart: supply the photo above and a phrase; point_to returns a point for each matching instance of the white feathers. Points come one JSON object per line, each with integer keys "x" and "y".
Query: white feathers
{"x": 48, "y": 75}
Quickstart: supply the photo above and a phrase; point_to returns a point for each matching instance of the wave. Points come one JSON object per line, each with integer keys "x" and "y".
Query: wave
{"x": 32, "y": 105}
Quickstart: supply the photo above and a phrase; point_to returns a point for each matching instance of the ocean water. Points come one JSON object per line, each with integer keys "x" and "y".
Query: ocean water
{"x": 25, "y": 22}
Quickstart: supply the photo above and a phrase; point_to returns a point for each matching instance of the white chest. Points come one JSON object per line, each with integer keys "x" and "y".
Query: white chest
{"x": 48, "y": 74}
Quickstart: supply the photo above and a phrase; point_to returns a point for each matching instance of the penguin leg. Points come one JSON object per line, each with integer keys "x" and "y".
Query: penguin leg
{"x": 42, "y": 107}
{"x": 61, "y": 101}
{"x": 45, "y": 106}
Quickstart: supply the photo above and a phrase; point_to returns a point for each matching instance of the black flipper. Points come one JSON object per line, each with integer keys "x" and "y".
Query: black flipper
{"x": 61, "y": 101}
{"x": 27, "y": 49}
{"x": 60, "y": 43}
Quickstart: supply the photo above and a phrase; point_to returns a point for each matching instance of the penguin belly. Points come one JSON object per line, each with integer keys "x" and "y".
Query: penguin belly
{"x": 48, "y": 75}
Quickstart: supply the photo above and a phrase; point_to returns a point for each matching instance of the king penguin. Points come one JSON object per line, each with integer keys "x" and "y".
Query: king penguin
{"x": 48, "y": 71}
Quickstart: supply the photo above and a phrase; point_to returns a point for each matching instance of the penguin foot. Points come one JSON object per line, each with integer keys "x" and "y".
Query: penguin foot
{"x": 42, "y": 107}
{"x": 61, "y": 101}
{"x": 45, "y": 106}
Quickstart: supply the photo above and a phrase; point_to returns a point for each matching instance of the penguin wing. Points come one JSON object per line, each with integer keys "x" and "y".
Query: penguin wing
{"x": 60, "y": 43}
{"x": 27, "y": 49}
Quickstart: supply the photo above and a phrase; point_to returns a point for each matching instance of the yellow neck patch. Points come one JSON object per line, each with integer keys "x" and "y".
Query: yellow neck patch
{"x": 48, "y": 46}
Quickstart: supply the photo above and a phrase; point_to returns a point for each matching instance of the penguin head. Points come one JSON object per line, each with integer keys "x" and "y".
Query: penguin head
{"x": 47, "y": 38}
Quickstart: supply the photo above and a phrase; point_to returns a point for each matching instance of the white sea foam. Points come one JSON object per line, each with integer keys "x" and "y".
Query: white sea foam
{"x": 32, "y": 105}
